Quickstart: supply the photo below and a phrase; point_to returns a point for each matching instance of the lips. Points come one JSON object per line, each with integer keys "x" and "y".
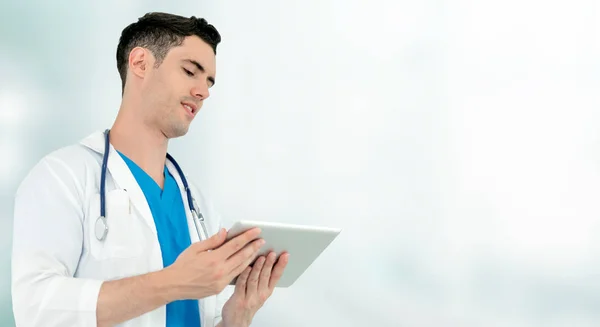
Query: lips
{"x": 190, "y": 107}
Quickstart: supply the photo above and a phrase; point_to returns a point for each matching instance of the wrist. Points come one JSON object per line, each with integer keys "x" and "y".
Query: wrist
{"x": 222, "y": 324}
{"x": 165, "y": 286}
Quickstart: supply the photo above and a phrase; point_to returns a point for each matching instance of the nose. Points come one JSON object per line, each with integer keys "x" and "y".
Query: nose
{"x": 200, "y": 91}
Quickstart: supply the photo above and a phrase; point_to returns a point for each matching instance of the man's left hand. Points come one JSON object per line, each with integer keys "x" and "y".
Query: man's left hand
{"x": 252, "y": 289}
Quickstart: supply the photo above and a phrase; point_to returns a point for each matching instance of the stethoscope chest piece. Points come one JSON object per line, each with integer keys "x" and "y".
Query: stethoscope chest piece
{"x": 101, "y": 228}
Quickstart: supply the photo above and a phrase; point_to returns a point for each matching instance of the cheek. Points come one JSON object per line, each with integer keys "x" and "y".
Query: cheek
{"x": 171, "y": 87}
{"x": 162, "y": 92}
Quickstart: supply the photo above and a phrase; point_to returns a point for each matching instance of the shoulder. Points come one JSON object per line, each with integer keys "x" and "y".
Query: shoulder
{"x": 65, "y": 168}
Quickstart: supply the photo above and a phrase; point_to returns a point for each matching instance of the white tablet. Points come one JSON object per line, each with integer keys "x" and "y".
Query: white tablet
{"x": 303, "y": 243}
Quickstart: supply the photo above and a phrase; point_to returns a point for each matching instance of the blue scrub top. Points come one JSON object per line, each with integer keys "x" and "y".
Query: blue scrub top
{"x": 168, "y": 211}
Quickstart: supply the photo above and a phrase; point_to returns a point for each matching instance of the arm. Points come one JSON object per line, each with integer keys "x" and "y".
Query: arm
{"x": 47, "y": 244}
{"x": 197, "y": 273}
{"x": 127, "y": 298}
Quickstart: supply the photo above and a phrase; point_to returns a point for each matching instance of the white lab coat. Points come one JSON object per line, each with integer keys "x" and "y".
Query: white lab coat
{"x": 58, "y": 265}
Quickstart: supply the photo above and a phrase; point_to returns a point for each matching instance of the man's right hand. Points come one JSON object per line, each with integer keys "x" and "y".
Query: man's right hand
{"x": 205, "y": 268}
{"x": 202, "y": 270}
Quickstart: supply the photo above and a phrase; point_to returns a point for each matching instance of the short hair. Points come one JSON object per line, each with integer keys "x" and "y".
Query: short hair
{"x": 159, "y": 32}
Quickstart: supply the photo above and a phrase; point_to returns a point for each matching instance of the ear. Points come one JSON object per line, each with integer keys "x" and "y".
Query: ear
{"x": 139, "y": 61}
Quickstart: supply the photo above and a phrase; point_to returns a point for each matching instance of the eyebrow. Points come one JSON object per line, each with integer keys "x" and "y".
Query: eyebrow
{"x": 200, "y": 68}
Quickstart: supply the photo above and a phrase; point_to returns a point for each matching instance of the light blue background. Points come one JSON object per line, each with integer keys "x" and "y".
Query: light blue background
{"x": 455, "y": 142}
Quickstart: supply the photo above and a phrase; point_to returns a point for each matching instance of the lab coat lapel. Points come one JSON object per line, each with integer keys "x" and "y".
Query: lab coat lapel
{"x": 195, "y": 235}
{"x": 125, "y": 180}
{"x": 122, "y": 176}
{"x": 188, "y": 214}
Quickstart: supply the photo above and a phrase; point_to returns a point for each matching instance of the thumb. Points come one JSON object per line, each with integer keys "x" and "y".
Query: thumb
{"x": 213, "y": 242}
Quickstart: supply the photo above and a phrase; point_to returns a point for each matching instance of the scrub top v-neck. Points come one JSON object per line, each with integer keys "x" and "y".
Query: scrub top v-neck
{"x": 169, "y": 216}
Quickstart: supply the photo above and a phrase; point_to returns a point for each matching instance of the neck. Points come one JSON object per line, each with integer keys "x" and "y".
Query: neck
{"x": 144, "y": 145}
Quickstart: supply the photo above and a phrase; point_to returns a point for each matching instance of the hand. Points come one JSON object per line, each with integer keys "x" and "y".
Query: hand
{"x": 252, "y": 289}
{"x": 205, "y": 268}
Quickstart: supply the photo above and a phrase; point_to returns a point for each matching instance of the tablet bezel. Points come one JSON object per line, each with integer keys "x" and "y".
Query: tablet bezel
{"x": 312, "y": 234}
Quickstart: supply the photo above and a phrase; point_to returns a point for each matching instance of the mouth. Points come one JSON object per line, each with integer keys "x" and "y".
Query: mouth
{"x": 190, "y": 108}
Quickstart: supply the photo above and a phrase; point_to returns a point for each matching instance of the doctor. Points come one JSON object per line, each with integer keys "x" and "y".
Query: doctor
{"x": 106, "y": 232}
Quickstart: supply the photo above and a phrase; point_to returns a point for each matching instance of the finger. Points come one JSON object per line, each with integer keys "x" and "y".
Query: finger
{"x": 211, "y": 243}
{"x": 237, "y": 263}
{"x": 239, "y": 242}
{"x": 265, "y": 274}
{"x": 240, "y": 284}
{"x": 241, "y": 267}
{"x": 252, "y": 287}
{"x": 278, "y": 270}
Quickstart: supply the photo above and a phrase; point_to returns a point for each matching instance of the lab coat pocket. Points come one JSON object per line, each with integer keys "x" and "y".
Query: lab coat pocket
{"x": 124, "y": 238}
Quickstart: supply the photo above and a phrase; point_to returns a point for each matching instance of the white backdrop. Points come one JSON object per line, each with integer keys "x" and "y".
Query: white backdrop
{"x": 455, "y": 142}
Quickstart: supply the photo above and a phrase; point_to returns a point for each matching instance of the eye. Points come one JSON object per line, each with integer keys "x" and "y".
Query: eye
{"x": 189, "y": 73}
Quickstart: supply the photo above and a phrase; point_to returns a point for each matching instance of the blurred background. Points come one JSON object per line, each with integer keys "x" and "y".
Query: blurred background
{"x": 457, "y": 143}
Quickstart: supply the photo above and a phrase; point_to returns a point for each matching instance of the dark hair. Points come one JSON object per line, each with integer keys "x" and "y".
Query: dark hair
{"x": 159, "y": 32}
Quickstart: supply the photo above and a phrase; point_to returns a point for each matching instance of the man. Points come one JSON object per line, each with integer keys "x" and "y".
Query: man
{"x": 144, "y": 264}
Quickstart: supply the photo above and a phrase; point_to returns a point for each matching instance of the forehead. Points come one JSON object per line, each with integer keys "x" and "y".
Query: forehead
{"x": 194, "y": 48}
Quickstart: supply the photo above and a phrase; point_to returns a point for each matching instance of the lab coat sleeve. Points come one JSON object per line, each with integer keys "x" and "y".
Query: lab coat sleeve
{"x": 47, "y": 245}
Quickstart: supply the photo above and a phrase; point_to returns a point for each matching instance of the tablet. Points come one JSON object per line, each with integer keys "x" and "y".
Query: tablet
{"x": 303, "y": 243}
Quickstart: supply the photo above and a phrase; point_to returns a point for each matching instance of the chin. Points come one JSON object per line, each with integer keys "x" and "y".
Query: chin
{"x": 179, "y": 131}
{"x": 175, "y": 131}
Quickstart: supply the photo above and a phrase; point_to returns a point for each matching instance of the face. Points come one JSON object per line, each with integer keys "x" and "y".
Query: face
{"x": 173, "y": 93}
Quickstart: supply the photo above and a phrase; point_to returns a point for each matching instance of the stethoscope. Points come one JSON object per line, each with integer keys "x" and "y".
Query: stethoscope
{"x": 101, "y": 228}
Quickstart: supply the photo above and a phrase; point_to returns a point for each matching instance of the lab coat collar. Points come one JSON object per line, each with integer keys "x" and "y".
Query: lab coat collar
{"x": 95, "y": 142}
{"x": 122, "y": 176}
